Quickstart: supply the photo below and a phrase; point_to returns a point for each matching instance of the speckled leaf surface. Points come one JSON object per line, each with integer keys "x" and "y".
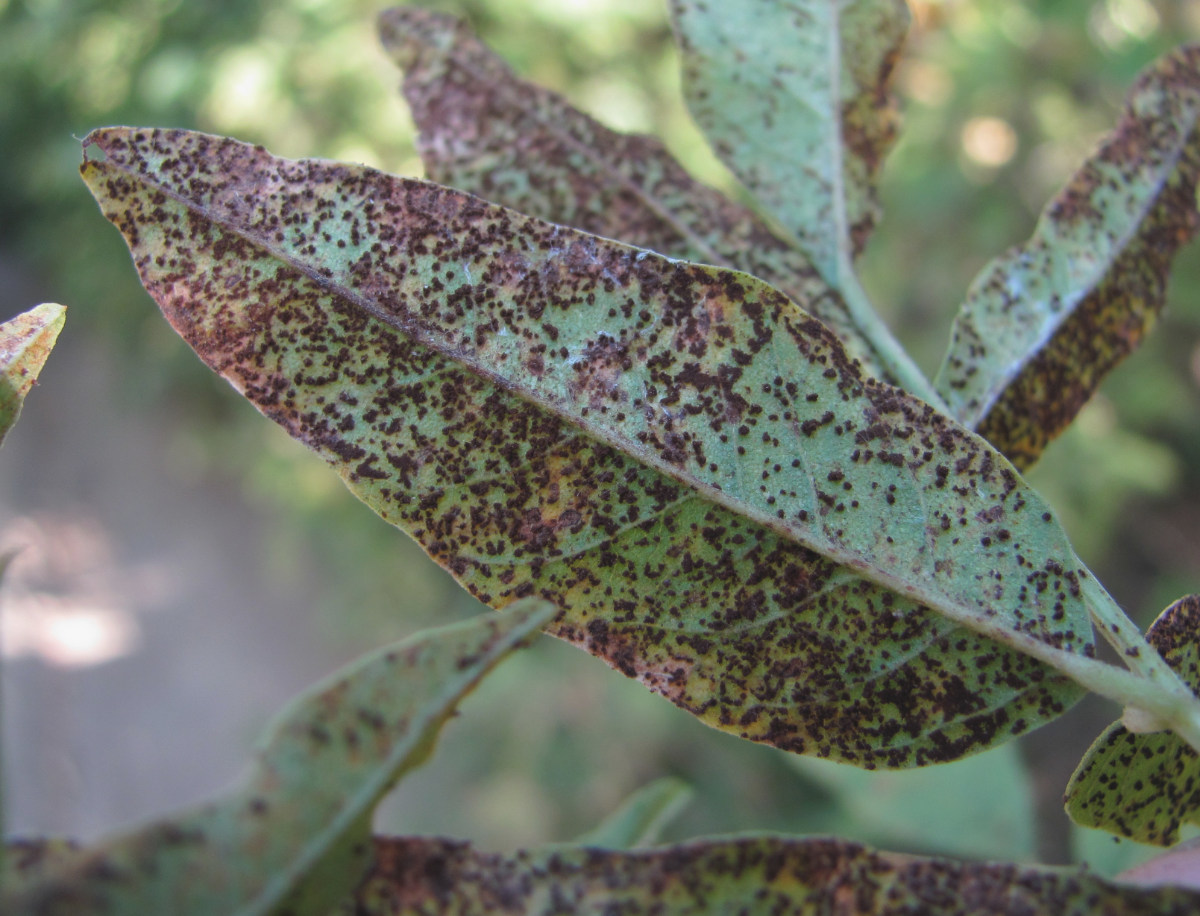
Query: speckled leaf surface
{"x": 675, "y": 455}
{"x": 1043, "y": 324}
{"x": 484, "y": 130}
{"x": 794, "y": 97}
{"x": 1146, "y": 786}
{"x": 294, "y": 837}
{"x": 747, "y": 876}
{"x": 25, "y": 343}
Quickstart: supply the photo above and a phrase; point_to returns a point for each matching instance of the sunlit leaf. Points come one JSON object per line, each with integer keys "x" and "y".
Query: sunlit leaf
{"x": 484, "y": 130}
{"x": 675, "y": 455}
{"x": 641, "y": 817}
{"x": 25, "y": 343}
{"x": 751, "y": 875}
{"x": 794, "y": 97}
{"x": 1146, "y": 786}
{"x": 1043, "y": 324}
{"x": 294, "y": 837}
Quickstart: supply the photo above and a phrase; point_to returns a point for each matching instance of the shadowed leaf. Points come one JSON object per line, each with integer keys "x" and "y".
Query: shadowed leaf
{"x": 641, "y": 817}
{"x": 25, "y": 343}
{"x": 1146, "y": 786}
{"x": 794, "y": 97}
{"x": 514, "y": 143}
{"x": 751, "y": 875}
{"x": 1043, "y": 324}
{"x": 295, "y": 836}
{"x": 675, "y": 455}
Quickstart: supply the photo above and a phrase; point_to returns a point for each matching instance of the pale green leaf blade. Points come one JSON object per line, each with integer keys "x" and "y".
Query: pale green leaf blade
{"x": 794, "y": 97}
{"x": 656, "y": 447}
{"x": 1146, "y": 786}
{"x": 484, "y": 130}
{"x": 641, "y": 817}
{"x": 294, "y": 837}
{"x": 802, "y": 877}
{"x": 25, "y": 343}
{"x": 1043, "y": 324}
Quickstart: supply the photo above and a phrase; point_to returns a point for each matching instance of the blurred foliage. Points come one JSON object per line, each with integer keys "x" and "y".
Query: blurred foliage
{"x": 1002, "y": 99}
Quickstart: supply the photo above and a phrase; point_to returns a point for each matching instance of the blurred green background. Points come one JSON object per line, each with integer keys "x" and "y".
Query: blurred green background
{"x": 136, "y": 442}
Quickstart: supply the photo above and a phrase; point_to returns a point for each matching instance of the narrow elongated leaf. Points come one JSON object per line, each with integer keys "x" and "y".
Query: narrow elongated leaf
{"x": 1044, "y": 324}
{"x": 25, "y": 342}
{"x": 750, "y": 875}
{"x": 641, "y": 817}
{"x": 484, "y": 130}
{"x": 295, "y": 836}
{"x": 1146, "y": 786}
{"x": 794, "y": 97}
{"x": 675, "y": 455}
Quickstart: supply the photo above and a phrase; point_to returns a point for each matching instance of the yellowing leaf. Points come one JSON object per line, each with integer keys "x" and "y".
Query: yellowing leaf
{"x": 1146, "y": 786}
{"x": 1045, "y": 323}
{"x": 25, "y": 343}
{"x": 294, "y": 837}
{"x": 676, "y": 455}
{"x": 751, "y": 875}
{"x": 509, "y": 141}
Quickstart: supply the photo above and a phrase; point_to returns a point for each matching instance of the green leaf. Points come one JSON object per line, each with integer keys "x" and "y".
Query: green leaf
{"x": 675, "y": 455}
{"x": 641, "y": 817}
{"x": 794, "y": 97}
{"x": 484, "y": 130}
{"x": 294, "y": 836}
{"x": 749, "y": 875}
{"x": 1044, "y": 324}
{"x": 980, "y": 808}
{"x": 25, "y": 343}
{"x": 1146, "y": 786}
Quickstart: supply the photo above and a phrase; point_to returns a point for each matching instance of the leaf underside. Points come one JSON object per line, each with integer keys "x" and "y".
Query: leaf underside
{"x": 751, "y": 875}
{"x": 25, "y": 343}
{"x": 1146, "y": 786}
{"x": 794, "y": 96}
{"x": 294, "y": 837}
{"x": 509, "y": 141}
{"x": 654, "y": 446}
{"x": 1044, "y": 324}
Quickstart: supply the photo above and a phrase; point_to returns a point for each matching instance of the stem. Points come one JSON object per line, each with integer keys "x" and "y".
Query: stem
{"x": 892, "y": 357}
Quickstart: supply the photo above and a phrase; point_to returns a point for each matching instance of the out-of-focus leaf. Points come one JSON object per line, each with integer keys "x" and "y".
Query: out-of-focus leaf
{"x": 1043, "y": 324}
{"x": 641, "y": 817}
{"x": 295, "y": 836}
{"x": 894, "y": 808}
{"x": 1146, "y": 786}
{"x": 749, "y": 875}
{"x": 1180, "y": 867}
{"x": 794, "y": 97}
{"x": 655, "y": 446}
{"x": 484, "y": 130}
{"x": 27, "y": 860}
{"x": 25, "y": 342}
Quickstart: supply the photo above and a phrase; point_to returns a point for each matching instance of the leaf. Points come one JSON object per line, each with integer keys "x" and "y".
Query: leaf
{"x": 1044, "y": 324}
{"x": 25, "y": 342}
{"x": 293, "y": 837}
{"x": 641, "y": 817}
{"x": 675, "y": 455}
{"x": 484, "y": 130}
{"x": 897, "y": 808}
{"x": 794, "y": 97}
{"x": 1146, "y": 786}
{"x": 750, "y": 875}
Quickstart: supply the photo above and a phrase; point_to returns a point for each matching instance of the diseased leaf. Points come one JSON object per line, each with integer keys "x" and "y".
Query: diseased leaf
{"x": 794, "y": 97}
{"x": 25, "y": 343}
{"x": 641, "y": 817}
{"x": 484, "y": 130}
{"x": 751, "y": 875}
{"x": 1045, "y": 323}
{"x": 294, "y": 837}
{"x": 1146, "y": 786}
{"x": 675, "y": 455}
